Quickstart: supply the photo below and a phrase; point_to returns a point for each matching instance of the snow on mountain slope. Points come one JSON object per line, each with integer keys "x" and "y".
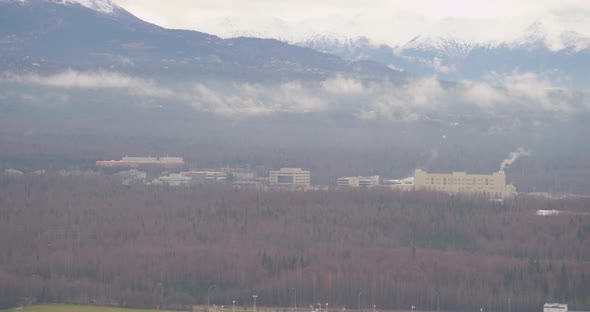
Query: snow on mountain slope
{"x": 449, "y": 45}
{"x": 544, "y": 32}
{"x": 345, "y": 47}
{"x": 102, "y": 6}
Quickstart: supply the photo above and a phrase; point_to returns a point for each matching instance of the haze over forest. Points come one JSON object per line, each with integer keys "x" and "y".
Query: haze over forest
{"x": 89, "y": 80}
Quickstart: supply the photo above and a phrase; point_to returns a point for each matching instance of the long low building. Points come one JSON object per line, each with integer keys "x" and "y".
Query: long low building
{"x": 135, "y": 162}
{"x": 360, "y": 182}
{"x": 493, "y": 185}
{"x": 555, "y": 307}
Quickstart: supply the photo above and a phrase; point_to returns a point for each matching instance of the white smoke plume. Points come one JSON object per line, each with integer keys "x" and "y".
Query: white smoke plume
{"x": 513, "y": 156}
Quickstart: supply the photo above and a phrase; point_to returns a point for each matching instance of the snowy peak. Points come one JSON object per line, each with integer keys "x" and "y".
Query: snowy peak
{"x": 448, "y": 45}
{"x": 547, "y": 33}
{"x": 345, "y": 47}
{"x": 233, "y": 27}
{"x": 101, "y": 6}
{"x": 575, "y": 41}
{"x": 334, "y": 41}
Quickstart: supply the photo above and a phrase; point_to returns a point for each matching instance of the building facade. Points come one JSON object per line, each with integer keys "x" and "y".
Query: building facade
{"x": 205, "y": 176}
{"x": 492, "y": 185}
{"x": 555, "y": 307}
{"x": 293, "y": 177}
{"x": 361, "y": 182}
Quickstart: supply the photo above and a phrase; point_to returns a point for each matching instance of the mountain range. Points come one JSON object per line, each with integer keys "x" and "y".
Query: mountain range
{"x": 67, "y": 52}
{"x": 559, "y": 58}
{"x": 548, "y": 47}
{"x": 48, "y": 35}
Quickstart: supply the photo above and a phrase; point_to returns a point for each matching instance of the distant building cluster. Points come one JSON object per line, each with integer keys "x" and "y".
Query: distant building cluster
{"x": 491, "y": 185}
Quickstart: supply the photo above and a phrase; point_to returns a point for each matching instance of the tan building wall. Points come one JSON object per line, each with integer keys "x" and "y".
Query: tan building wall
{"x": 348, "y": 182}
{"x": 290, "y": 177}
{"x": 493, "y": 185}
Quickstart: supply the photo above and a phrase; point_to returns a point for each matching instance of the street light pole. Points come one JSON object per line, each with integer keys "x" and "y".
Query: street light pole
{"x": 508, "y": 304}
{"x": 326, "y": 307}
{"x": 161, "y": 294}
{"x": 438, "y": 302}
{"x": 295, "y": 294}
{"x": 358, "y": 300}
{"x": 209, "y": 295}
{"x": 233, "y": 306}
{"x": 374, "y": 307}
{"x": 254, "y": 296}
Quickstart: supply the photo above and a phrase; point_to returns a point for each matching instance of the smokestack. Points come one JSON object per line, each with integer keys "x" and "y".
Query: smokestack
{"x": 513, "y": 156}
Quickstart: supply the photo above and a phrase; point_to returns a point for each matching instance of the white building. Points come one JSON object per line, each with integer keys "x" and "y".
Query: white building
{"x": 13, "y": 172}
{"x": 406, "y": 184}
{"x": 131, "y": 176}
{"x": 205, "y": 176}
{"x": 361, "y": 182}
{"x": 175, "y": 179}
{"x": 293, "y": 177}
{"x": 555, "y": 307}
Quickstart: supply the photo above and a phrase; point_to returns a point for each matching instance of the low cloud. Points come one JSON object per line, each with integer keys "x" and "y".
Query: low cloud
{"x": 92, "y": 80}
{"x": 439, "y": 67}
{"x": 423, "y": 98}
{"x": 529, "y": 91}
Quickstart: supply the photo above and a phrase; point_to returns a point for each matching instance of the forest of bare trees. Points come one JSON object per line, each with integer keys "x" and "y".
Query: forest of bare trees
{"x": 90, "y": 239}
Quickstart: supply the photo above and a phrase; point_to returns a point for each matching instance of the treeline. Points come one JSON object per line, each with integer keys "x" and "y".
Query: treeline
{"x": 90, "y": 239}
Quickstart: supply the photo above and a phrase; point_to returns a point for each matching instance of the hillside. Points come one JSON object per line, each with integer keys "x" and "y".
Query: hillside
{"x": 49, "y": 36}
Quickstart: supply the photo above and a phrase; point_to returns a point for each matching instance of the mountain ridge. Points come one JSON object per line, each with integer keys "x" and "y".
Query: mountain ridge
{"x": 97, "y": 33}
{"x": 448, "y": 57}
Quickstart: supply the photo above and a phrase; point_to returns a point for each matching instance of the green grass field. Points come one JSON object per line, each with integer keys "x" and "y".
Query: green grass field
{"x": 80, "y": 308}
{"x": 91, "y": 308}
{"x": 70, "y": 308}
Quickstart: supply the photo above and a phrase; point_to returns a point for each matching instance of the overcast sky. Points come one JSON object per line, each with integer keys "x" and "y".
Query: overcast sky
{"x": 384, "y": 21}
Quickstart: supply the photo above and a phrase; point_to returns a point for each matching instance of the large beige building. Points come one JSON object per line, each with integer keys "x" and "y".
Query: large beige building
{"x": 294, "y": 177}
{"x": 493, "y": 185}
{"x": 362, "y": 182}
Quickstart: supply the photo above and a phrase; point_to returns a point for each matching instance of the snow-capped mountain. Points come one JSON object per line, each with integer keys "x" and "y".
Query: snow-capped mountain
{"x": 449, "y": 46}
{"x": 50, "y": 35}
{"x": 539, "y": 34}
{"x": 547, "y": 45}
{"x": 540, "y": 49}
{"x": 101, "y": 6}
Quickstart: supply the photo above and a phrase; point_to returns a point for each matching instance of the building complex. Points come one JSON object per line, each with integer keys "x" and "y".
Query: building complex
{"x": 493, "y": 185}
